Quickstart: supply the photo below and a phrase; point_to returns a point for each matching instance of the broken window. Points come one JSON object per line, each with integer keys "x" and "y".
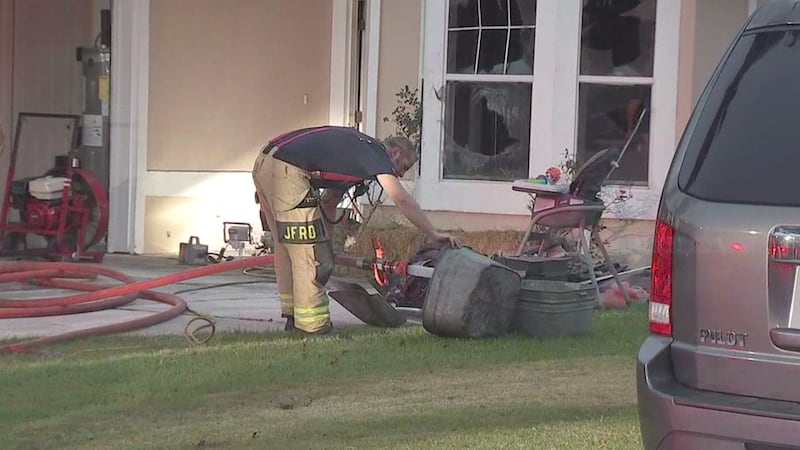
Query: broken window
{"x": 488, "y": 92}
{"x": 615, "y": 82}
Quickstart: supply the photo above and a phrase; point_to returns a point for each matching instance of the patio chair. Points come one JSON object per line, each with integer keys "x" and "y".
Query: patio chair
{"x": 576, "y": 206}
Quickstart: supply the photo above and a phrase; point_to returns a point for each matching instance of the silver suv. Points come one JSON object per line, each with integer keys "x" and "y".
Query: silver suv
{"x": 721, "y": 367}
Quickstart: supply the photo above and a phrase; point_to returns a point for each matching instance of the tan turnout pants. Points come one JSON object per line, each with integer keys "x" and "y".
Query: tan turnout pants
{"x": 303, "y": 250}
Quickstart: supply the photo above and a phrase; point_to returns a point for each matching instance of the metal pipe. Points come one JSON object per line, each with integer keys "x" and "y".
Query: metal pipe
{"x": 620, "y": 274}
{"x": 420, "y": 271}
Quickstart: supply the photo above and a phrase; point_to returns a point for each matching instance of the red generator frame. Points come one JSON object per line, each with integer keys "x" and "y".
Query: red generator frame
{"x": 65, "y": 222}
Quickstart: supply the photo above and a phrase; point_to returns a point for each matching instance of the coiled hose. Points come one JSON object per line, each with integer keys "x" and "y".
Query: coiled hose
{"x": 98, "y": 297}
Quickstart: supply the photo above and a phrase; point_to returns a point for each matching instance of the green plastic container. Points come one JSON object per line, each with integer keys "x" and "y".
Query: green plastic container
{"x": 552, "y": 309}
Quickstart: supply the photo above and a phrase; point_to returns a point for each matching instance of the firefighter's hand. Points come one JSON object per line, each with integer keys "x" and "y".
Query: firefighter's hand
{"x": 446, "y": 237}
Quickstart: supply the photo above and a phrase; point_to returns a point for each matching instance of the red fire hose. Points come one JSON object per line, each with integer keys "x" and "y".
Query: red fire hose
{"x": 97, "y": 296}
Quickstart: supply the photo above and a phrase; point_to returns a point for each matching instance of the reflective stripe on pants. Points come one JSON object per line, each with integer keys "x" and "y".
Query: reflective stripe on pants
{"x": 287, "y": 304}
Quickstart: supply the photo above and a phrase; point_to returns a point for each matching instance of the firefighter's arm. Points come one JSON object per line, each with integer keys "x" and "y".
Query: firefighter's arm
{"x": 411, "y": 210}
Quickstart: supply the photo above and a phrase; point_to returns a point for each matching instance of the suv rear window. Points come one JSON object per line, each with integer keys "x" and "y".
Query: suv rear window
{"x": 746, "y": 146}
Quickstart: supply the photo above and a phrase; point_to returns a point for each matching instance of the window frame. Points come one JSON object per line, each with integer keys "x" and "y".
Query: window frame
{"x": 554, "y": 114}
{"x": 478, "y": 77}
{"x": 616, "y": 80}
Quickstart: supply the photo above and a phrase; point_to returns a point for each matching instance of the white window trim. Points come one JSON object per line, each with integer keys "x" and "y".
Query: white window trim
{"x": 431, "y": 191}
{"x": 614, "y": 80}
{"x": 373, "y": 31}
{"x": 554, "y": 122}
{"x": 130, "y": 47}
{"x": 344, "y": 53}
{"x": 489, "y": 78}
{"x": 664, "y": 109}
{"x": 341, "y": 35}
{"x": 644, "y": 200}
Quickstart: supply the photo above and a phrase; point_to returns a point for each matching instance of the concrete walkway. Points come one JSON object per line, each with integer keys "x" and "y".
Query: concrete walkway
{"x": 251, "y": 306}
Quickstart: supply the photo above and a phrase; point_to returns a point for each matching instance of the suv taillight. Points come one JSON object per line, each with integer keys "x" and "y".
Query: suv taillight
{"x": 661, "y": 281}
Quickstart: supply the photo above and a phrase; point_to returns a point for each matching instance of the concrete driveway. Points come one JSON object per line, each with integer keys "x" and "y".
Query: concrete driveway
{"x": 245, "y": 303}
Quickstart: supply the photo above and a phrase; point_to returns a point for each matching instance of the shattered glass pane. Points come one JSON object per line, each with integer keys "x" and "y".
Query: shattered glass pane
{"x": 494, "y": 13}
{"x": 493, "y": 51}
{"x": 487, "y": 130}
{"x": 618, "y": 38}
{"x": 607, "y": 116}
{"x": 523, "y": 12}
{"x": 520, "y": 52}
{"x": 475, "y": 44}
{"x": 461, "y": 49}
{"x": 463, "y": 13}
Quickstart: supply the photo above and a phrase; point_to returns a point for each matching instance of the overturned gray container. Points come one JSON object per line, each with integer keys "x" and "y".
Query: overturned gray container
{"x": 470, "y": 295}
{"x": 551, "y": 309}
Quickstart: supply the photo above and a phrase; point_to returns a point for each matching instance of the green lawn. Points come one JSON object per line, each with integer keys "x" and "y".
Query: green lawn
{"x": 368, "y": 389}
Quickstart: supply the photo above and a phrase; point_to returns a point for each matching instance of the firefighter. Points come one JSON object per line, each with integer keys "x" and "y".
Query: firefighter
{"x": 288, "y": 173}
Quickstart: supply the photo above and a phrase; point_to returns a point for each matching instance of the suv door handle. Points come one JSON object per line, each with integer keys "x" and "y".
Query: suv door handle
{"x": 786, "y": 338}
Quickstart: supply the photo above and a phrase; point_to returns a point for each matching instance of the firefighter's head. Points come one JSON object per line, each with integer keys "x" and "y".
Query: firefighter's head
{"x": 402, "y": 152}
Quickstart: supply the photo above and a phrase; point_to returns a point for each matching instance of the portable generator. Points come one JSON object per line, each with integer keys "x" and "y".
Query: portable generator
{"x": 67, "y": 207}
